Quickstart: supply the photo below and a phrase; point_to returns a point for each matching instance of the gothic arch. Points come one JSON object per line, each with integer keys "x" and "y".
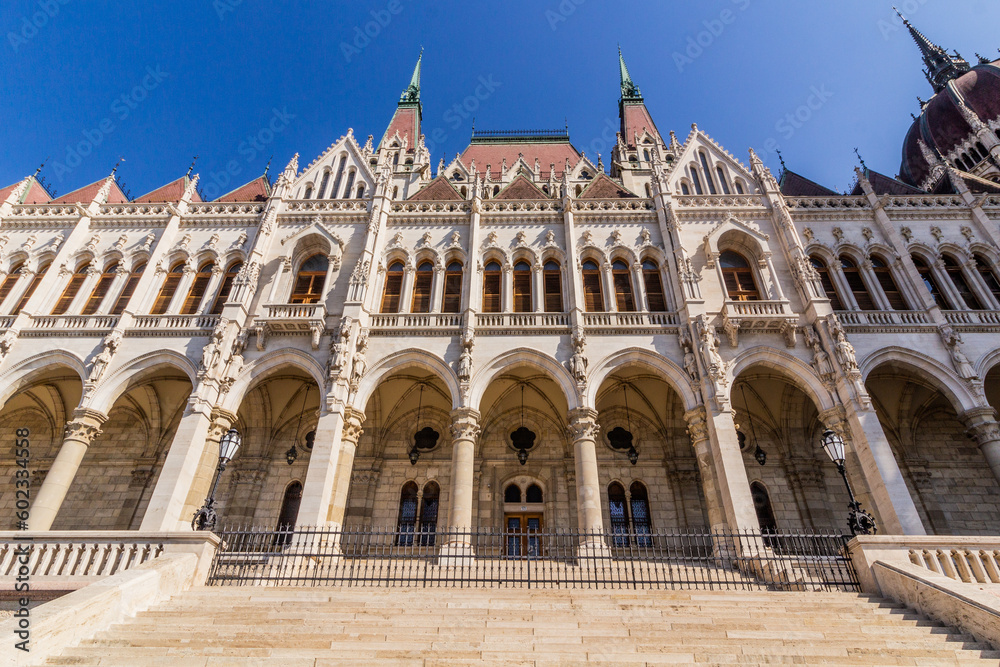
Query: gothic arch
{"x": 796, "y": 371}
{"x": 24, "y": 373}
{"x": 135, "y": 371}
{"x": 672, "y": 374}
{"x": 397, "y": 361}
{"x": 258, "y": 369}
{"x": 929, "y": 370}
{"x": 522, "y": 356}
{"x": 987, "y": 362}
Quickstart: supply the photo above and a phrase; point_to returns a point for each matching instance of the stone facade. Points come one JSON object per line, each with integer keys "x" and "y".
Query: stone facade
{"x": 679, "y": 296}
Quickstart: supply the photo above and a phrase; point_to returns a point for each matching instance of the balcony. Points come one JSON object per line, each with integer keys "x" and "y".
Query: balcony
{"x": 165, "y": 325}
{"x": 290, "y": 319}
{"x": 405, "y": 324}
{"x": 74, "y": 322}
{"x": 759, "y": 317}
{"x": 628, "y": 322}
{"x": 526, "y": 323}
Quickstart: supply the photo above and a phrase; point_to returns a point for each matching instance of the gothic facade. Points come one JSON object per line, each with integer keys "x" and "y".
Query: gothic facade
{"x": 521, "y": 337}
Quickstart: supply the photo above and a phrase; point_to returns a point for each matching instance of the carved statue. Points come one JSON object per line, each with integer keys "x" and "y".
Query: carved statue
{"x": 578, "y": 363}
{"x": 465, "y": 365}
{"x": 99, "y": 365}
{"x": 710, "y": 351}
{"x": 844, "y": 349}
{"x": 360, "y": 362}
{"x": 954, "y": 344}
{"x": 210, "y": 355}
{"x": 821, "y": 360}
{"x": 690, "y": 362}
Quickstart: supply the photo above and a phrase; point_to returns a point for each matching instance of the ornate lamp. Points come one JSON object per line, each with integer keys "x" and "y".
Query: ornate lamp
{"x": 858, "y": 520}
{"x": 292, "y": 454}
{"x": 425, "y": 438}
{"x": 205, "y": 518}
{"x": 522, "y": 438}
{"x": 759, "y": 454}
{"x": 633, "y": 455}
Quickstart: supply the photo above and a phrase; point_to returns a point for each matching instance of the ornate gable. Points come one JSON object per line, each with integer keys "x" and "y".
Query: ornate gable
{"x": 311, "y": 178}
{"x": 438, "y": 190}
{"x": 605, "y": 188}
{"x": 521, "y": 188}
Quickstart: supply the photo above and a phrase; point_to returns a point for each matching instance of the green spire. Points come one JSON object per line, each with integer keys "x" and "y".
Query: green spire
{"x": 629, "y": 89}
{"x": 412, "y": 93}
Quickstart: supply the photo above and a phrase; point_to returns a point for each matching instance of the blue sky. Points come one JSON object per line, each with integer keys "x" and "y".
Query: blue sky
{"x": 235, "y": 81}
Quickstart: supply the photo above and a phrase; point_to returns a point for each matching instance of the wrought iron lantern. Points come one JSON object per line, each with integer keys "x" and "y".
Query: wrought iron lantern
{"x": 206, "y": 518}
{"x": 858, "y": 520}
{"x": 522, "y": 438}
{"x": 758, "y": 453}
{"x": 425, "y": 438}
{"x": 292, "y": 454}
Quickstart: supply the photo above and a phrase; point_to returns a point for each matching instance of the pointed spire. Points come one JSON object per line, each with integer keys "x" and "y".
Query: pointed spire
{"x": 629, "y": 90}
{"x": 412, "y": 93}
{"x": 941, "y": 67}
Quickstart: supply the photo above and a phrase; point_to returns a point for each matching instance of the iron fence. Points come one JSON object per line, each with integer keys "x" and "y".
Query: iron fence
{"x": 533, "y": 559}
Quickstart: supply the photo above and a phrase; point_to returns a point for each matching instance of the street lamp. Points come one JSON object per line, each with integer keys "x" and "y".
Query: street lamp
{"x": 858, "y": 520}
{"x": 205, "y": 518}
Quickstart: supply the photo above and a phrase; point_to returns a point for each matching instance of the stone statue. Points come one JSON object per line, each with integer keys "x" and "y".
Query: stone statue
{"x": 210, "y": 355}
{"x": 953, "y": 342}
{"x": 578, "y": 363}
{"x": 465, "y": 365}
{"x": 821, "y": 360}
{"x": 99, "y": 365}
{"x": 360, "y": 362}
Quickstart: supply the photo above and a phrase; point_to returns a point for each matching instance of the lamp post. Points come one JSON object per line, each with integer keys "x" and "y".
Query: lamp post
{"x": 205, "y": 518}
{"x": 858, "y": 520}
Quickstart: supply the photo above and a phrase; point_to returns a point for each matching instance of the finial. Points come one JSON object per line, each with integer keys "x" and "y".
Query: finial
{"x": 860, "y": 159}
{"x": 191, "y": 168}
{"x": 267, "y": 167}
{"x": 983, "y": 60}
{"x": 41, "y": 166}
{"x": 120, "y": 160}
{"x": 913, "y": 115}
{"x": 782, "y": 160}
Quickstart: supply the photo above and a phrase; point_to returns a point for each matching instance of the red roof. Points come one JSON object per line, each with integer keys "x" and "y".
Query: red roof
{"x": 521, "y": 188}
{"x": 406, "y": 122}
{"x": 605, "y": 188}
{"x": 86, "y": 194}
{"x": 171, "y": 192}
{"x": 636, "y": 120}
{"x": 35, "y": 194}
{"x": 256, "y": 190}
{"x": 547, "y": 153}
{"x": 438, "y": 190}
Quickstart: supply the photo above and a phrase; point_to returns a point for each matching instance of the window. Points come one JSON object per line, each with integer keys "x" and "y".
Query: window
{"x": 309, "y": 192}
{"x": 133, "y": 281}
{"x": 310, "y": 279}
{"x": 70, "y": 292}
{"x": 927, "y": 276}
{"x": 622, "y": 279}
{"x": 654, "y": 287}
{"x": 491, "y": 288}
{"x": 522, "y": 288}
{"x": 9, "y": 281}
{"x": 340, "y": 176}
{"x": 422, "y": 288}
{"x": 393, "y": 288}
{"x": 639, "y": 504}
{"x": 697, "y": 181}
{"x": 407, "y": 522}
{"x": 738, "y": 275}
{"x": 100, "y": 290}
{"x": 857, "y": 284}
{"x": 350, "y": 183}
{"x": 986, "y": 273}
{"x": 32, "y": 286}
{"x": 552, "y": 282}
{"x": 722, "y": 180}
{"x": 739, "y": 188}
{"x": 888, "y": 284}
{"x": 827, "y": 281}
{"x": 322, "y": 186}
{"x": 593, "y": 295}
{"x": 512, "y": 494}
{"x": 618, "y": 508}
{"x": 762, "y": 505}
{"x": 199, "y": 286}
{"x": 533, "y": 494}
{"x": 429, "y": 513}
{"x": 168, "y": 288}
{"x": 957, "y": 277}
{"x": 452, "y": 289}
{"x": 685, "y": 190}
{"x": 361, "y": 191}
{"x": 708, "y": 173}
{"x": 226, "y": 287}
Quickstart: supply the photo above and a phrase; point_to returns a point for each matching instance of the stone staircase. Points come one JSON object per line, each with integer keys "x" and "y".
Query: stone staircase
{"x": 448, "y": 626}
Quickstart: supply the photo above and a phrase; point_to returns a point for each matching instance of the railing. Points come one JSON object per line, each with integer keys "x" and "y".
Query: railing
{"x": 532, "y": 559}
{"x": 522, "y": 320}
{"x": 178, "y": 322}
{"x": 416, "y": 320}
{"x": 757, "y": 308}
{"x": 883, "y": 317}
{"x": 84, "y": 558}
{"x": 972, "y": 316}
{"x": 7, "y": 322}
{"x": 74, "y": 321}
{"x": 980, "y": 566}
{"x": 295, "y": 311}
{"x": 629, "y": 319}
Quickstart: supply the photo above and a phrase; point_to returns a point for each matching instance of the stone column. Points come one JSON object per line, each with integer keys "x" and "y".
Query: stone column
{"x": 697, "y": 429}
{"x": 464, "y": 431}
{"x": 583, "y": 431}
{"x": 640, "y": 288}
{"x": 86, "y": 426}
{"x": 351, "y": 432}
{"x": 321, "y": 475}
{"x": 538, "y": 282}
{"x": 610, "y": 298}
{"x": 983, "y": 428}
{"x": 730, "y": 473}
{"x": 182, "y": 485}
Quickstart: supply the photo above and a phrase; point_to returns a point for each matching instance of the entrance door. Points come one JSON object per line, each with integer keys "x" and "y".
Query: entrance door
{"x": 289, "y": 512}
{"x": 523, "y": 539}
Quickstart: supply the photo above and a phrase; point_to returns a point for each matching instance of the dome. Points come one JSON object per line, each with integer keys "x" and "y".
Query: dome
{"x": 942, "y": 125}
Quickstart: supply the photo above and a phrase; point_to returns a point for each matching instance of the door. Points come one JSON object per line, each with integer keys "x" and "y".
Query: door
{"x": 523, "y": 535}
{"x": 289, "y": 512}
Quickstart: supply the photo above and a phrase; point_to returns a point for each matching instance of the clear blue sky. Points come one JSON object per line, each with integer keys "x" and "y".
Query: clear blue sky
{"x": 200, "y": 77}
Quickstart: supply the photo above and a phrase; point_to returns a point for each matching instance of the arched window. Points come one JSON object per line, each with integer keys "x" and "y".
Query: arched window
{"x": 827, "y": 281}
{"x": 579, "y": 190}
{"x": 226, "y": 287}
{"x": 739, "y": 188}
{"x": 322, "y": 186}
{"x": 69, "y": 293}
{"x": 199, "y": 286}
{"x": 395, "y": 192}
{"x": 522, "y": 287}
{"x": 350, "y": 183}
{"x": 393, "y": 288}
{"x": 429, "y": 513}
{"x": 639, "y": 504}
{"x": 654, "y": 287}
{"x": 309, "y": 192}
{"x": 722, "y": 180}
{"x": 888, "y": 284}
{"x": 452, "y": 288}
{"x": 696, "y": 181}
{"x": 395, "y": 159}
{"x": 340, "y": 176}
{"x": 552, "y": 282}
{"x": 32, "y": 286}
{"x": 645, "y": 154}
{"x": 927, "y": 276}
{"x": 126, "y": 294}
{"x": 708, "y": 173}
{"x": 289, "y": 513}
{"x": 496, "y": 190}
{"x": 957, "y": 277}
{"x": 9, "y": 281}
{"x": 491, "y": 288}
{"x": 649, "y": 193}
{"x": 407, "y": 522}
{"x": 762, "y": 505}
{"x": 100, "y": 290}
{"x": 168, "y": 288}
{"x": 512, "y": 494}
{"x": 857, "y": 284}
{"x": 361, "y": 191}
{"x": 309, "y": 280}
{"x": 685, "y": 190}
{"x": 986, "y": 273}
{"x": 422, "y": 288}
{"x": 593, "y": 294}
{"x": 617, "y": 507}
{"x": 736, "y": 271}
{"x": 622, "y": 278}
{"x": 533, "y": 494}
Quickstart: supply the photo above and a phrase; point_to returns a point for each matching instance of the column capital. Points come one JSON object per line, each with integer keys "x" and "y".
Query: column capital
{"x": 353, "y": 419}
{"x": 981, "y": 425}
{"x": 583, "y": 424}
{"x": 221, "y": 421}
{"x": 697, "y": 424}
{"x": 85, "y": 425}
{"x": 465, "y": 424}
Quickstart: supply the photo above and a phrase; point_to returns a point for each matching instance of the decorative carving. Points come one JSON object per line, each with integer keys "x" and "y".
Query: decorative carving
{"x": 690, "y": 362}
{"x": 210, "y": 354}
{"x": 84, "y": 429}
{"x": 644, "y": 237}
{"x": 953, "y": 342}
{"x": 456, "y": 239}
{"x": 937, "y": 233}
{"x": 465, "y": 360}
{"x": 583, "y": 425}
{"x": 821, "y": 360}
{"x": 710, "y": 353}
{"x": 465, "y": 425}
{"x": 843, "y": 348}
{"x": 550, "y": 239}
{"x": 697, "y": 424}
{"x": 906, "y": 233}
{"x": 867, "y": 233}
{"x": 838, "y": 234}
{"x": 339, "y": 350}
{"x": 578, "y": 362}
{"x": 359, "y": 364}
{"x": 104, "y": 357}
